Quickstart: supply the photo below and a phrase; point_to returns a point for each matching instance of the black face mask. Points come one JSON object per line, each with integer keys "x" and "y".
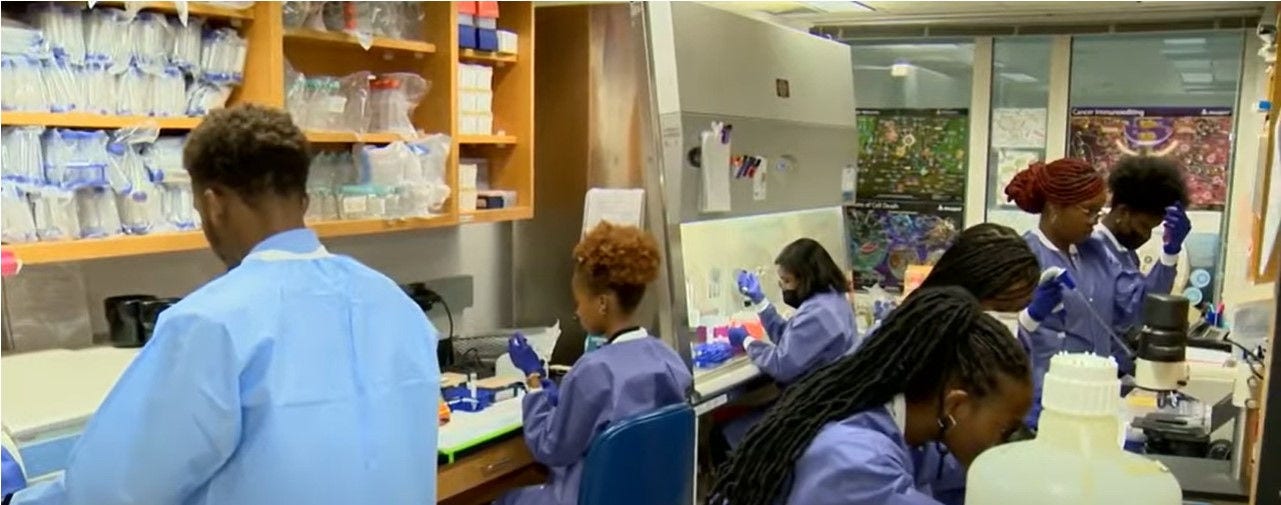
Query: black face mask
{"x": 792, "y": 298}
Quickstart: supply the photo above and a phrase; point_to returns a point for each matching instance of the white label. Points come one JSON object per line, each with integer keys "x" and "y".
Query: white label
{"x": 336, "y": 104}
{"x": 354, "y": 204}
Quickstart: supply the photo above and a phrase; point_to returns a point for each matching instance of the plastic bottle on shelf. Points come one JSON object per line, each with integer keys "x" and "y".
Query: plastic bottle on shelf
{"x": 1075, "y": 458}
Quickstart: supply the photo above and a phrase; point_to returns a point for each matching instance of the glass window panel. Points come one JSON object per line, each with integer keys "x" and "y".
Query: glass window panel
{"x": 1020, "y": 94}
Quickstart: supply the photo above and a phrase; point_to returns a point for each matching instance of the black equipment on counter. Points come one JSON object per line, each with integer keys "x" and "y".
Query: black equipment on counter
{"x": 124, "y": 319}
{"x": 1164, "y": 337}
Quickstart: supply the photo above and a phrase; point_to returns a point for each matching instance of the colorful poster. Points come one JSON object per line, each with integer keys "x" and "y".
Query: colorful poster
{"x": 1008, "y": 163}
{"x": 1199, "y": 138}
{"x": 1018, "y": 127}
{"x": 913, "y": 154}
{"x": 886, "y": 237}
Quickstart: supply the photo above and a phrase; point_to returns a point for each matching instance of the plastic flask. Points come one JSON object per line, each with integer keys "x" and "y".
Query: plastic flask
{"x": 1075, "y": 458}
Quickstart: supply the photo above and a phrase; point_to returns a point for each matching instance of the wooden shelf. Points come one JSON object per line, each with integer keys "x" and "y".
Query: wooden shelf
{"x": 339, "y": 38}
{"x": 485, "y": 56}
{"x": 335, "y": 137}
{"x": 38, "y": 253}
{"x": 487, "y": 139}
{"x": 497, "y": 215}
{"x": 85, "y": 120}
{"x": 193, "y": 9}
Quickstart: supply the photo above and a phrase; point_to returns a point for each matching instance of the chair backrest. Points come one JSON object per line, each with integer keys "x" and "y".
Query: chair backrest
{"x": 646, "y": 459}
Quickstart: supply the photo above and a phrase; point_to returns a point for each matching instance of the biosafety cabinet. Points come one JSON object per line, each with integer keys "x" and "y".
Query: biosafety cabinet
{"x": 780, "y": 103}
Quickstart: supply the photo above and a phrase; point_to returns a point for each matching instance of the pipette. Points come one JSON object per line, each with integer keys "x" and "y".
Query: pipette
{"x": 1069, "y": 285}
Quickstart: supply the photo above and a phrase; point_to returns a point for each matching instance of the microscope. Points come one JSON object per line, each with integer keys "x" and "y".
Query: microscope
{"x": 1161, "y": 344}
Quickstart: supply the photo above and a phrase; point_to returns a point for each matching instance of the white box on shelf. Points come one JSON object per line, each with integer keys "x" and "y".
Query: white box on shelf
{"x": 468, "y": 124}
{"x": 468, "y": 76}
{"x": 485, "y": 124}
{"x": 485, "y": 77}
{"x": 467, "y": 172}
{"x": 487, "y": 23}
{"x": 467, "y": 200}
{"x": 508, "y": 42}
{"x": 483, "y": 101}
{"x": 469, "y": 101}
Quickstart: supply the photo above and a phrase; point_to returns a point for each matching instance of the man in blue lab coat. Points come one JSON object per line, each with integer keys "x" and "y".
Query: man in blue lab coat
{"x": 296, "y": 377}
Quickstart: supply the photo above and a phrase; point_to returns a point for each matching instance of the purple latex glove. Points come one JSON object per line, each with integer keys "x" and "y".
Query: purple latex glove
{"x": 1177, "y": 227}
{"x": 737, "y": 335}
{"x": 523, "y": 356}
{"x": 750, "y": 286}
{"x": 1049, "y": 293}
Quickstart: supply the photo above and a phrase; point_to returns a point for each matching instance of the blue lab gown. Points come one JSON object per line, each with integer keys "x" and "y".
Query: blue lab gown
{"x": 864, "y": 459}
{"x": 636, "y": 373}
{"x": 820, "y": 332}
{"x": 1106, "y": 295}
{"x": 1131, "y": 283}
{"x": 297, "y": 377}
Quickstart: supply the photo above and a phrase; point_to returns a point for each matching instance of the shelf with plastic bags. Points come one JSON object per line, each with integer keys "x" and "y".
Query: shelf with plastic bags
{"x": 87, "y": 120}
{"x": 193, "y": 9}
{"x": 38, "y": 253}
{"x": 320, "y": 37}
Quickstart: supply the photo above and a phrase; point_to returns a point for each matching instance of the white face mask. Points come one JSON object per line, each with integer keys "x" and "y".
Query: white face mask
{"x": 1009, "y": 319}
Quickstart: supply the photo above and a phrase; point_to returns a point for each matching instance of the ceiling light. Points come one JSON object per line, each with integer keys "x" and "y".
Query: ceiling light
{"x": 839, "y": 6}
{"x": 1018, "y": 77}
{"x": 1187, "y": 41}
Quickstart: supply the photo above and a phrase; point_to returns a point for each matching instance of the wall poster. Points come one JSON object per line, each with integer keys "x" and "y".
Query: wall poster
{"x": 1198, "y": 137}
{"x": 913, "y": 154}
{"x": 887, "y": 237}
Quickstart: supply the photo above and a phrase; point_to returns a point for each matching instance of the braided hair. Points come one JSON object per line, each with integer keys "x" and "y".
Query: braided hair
{"x": 1065, "y": 182}
{"x": 987, "y": 259}
{"x": 938, "y": 337}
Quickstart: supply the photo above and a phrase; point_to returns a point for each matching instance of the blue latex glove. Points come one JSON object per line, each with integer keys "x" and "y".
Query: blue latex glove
{"x": 737, "y": 335}
{"x": 750, "y": 286}
{"x": 1049, "y": 293}
{"x": 523, "y": 356}
{"x": 1177, "y": 227}
{"x": 553, "y": 391}
{"x": 10, "y": 474}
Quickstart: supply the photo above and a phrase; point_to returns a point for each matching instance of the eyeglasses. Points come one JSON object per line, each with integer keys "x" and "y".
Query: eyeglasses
{"x": 1093, "y": 216}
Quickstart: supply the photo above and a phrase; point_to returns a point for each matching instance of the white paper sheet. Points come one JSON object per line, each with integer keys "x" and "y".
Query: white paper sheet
{"x": 715, "y": 160}
{"x": 1272, "y": 214}
{"x": 618, "y": 206}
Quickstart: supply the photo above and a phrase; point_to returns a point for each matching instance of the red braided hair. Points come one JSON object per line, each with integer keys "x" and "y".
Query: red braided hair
{"x": 1065, "y": 182}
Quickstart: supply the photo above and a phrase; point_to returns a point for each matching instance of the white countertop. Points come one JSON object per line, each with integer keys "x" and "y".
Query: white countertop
{"x": 49, "y": 390}
{"x": 714, "y": 381}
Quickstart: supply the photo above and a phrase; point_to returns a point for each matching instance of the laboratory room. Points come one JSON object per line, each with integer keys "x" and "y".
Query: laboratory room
{"x": 639, "y": 253}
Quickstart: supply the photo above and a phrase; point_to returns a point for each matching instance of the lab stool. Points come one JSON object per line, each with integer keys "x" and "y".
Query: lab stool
{"x": 646, "y": 459}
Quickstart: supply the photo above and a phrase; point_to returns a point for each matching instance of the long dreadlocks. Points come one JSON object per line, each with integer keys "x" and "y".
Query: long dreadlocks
{"x": 987, "y": 260}
{"x": 938, "y": 337}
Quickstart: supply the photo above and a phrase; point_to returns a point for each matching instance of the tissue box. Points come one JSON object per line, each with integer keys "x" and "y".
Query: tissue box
{"x": 486, "y": 39}
{"x": 508, "y": 42}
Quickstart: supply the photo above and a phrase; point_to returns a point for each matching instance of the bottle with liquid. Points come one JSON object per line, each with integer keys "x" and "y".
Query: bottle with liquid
{"x": 1075, "y": 458}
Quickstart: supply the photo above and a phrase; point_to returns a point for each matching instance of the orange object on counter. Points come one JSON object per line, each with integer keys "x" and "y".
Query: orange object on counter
{"x": 443, "y": 412}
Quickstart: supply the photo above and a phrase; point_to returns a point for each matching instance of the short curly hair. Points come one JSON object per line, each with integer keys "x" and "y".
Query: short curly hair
{"x": 1148, "y": 184}
{"x": 250, "y": 149}
{"x": 622, "y": 259}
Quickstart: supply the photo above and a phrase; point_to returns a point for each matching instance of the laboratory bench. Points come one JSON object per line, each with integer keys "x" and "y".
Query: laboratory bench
{"x": 482, "y": 455}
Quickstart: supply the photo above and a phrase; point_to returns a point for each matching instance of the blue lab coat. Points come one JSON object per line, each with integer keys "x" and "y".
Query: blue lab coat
{"x": 633, "y": 374}
{"x": 297, "y": 377}
{"x": 1131, "y": 283}
{"x": 1107, "y": 294}
{"x": 865, "y": 459}
{"x": 820, "y": 332}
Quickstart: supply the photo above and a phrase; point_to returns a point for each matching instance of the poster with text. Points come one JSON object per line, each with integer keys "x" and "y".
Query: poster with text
{"x": 885, "y": 237}
{"x": 912, "y": 154}
{"x": 1199, "y": 138}
{"x": 1018, "y": 127}
{"x": 1008, "y": 163}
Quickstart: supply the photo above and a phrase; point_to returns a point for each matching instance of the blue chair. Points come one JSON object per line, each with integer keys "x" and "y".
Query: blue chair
{"x": 642, "y": 460}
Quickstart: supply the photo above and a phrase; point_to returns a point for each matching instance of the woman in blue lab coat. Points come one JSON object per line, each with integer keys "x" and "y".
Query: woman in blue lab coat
{"x": 1085, "y": 291}
{"x": 633, "y": 373}
{"x": 1147, "y": 192}
{"x": 822, "y": 329}
{"x": 939, "y": 373}
{"x": 298, "y": 376}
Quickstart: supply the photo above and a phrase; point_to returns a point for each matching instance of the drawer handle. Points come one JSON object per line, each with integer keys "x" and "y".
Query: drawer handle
{"x": 498, "y": 465}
